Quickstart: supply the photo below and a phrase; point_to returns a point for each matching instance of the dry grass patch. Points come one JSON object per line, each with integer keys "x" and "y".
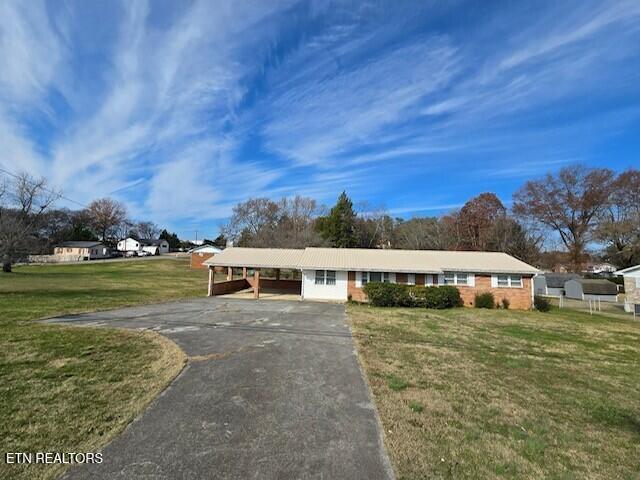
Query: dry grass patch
{"x": 72, "y": 389}
{"x": 504, "y": 393}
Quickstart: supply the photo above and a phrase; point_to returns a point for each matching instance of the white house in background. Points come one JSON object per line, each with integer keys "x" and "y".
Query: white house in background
{"x": 155, "y": 246}
{"x": 631, "y": 278}
{"x": 584, "y": 289}
{"x": 602, "y": 268}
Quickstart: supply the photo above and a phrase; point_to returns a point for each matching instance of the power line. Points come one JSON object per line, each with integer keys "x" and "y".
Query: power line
{"x": 58, "y": 194}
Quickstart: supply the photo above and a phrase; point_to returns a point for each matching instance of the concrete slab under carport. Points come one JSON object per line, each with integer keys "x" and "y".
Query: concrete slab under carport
{"x": 272, "y": 390}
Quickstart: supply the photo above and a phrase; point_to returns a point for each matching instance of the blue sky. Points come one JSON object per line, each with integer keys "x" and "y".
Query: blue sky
{"x": 182, "y": 109}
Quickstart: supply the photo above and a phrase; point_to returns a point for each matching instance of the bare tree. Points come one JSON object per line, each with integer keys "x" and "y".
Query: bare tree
{"x": 22, "y": 205}
{"x": 569, "y": 204}
{"x": 145, "y": 230}
{"x": 253, "y": 223}
{"x": 619, "y": 224}
{"x": 107, "y": 215}
{"x": 425, "y": 233}
{"x": 476, "y": 220}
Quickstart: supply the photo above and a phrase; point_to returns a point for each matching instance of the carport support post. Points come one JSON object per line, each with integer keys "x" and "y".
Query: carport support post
{"x": 211, "y": 280}
{"x": 229, "y": 273}
{"x": 256, "y": 283}
{"x": 244, "y": 272}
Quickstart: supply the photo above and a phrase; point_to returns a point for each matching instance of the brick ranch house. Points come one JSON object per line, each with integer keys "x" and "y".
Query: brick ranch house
{"x": 339, "y": 274}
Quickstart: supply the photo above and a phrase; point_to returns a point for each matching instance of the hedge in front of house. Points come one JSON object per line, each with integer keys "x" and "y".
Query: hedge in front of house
{"x": 484, "y": 300}
{"x": 397, "y": 295}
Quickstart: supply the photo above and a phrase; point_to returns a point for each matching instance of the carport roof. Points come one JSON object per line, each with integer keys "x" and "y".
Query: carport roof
{"x": 372, "y": 260}
{"x": 257, "y": 257}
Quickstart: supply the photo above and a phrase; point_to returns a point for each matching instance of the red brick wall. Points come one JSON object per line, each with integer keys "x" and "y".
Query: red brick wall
{"x": 230, "y": 286}
{"x": 354, "y": 293}
{"x": 198, "y": 257}
{"x": 519, "y": 298}
{"x": 289, "y": 286}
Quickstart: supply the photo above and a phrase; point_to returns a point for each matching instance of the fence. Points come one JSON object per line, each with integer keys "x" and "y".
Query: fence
{"x": 590, "y": 306}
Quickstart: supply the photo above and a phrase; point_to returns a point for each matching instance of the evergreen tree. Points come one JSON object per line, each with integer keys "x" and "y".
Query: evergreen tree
{"x": 339, "y": 227}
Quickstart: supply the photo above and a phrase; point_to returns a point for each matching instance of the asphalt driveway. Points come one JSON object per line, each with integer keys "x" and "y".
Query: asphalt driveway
{"x": 272, "y": 390}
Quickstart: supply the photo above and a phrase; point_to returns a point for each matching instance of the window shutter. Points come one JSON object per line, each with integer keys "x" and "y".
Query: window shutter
{"x": 428, "y": 279}
{"x": 392, "y": 277}
{"x": 494, "y": 281}
{"x": 441, "y": 279}
{"x": 471, "y": 280}
{"x": 411, "y": 279}
{"x": 359, "y": 279}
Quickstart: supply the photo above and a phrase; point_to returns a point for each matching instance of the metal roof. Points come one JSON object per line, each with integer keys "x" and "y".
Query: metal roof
{"x": 206, "y": 249}
{"x": 257, "y": 257}
{"x": 357, "y": 259}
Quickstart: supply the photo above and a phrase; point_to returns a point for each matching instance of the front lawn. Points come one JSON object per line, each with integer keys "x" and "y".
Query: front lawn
{"x": 468, "y": 393}
{"x": 66, "y": 389}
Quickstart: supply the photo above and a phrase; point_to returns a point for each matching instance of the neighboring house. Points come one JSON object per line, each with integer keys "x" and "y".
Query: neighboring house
{"x": 584, "y": 289}
{"x": 552, "y": 283}
{"x": 601, "y": 268}
{"x": 631, "y": 278}
{"x": 81, "y": 251}
{"x": 200, "y": 254}
{"x": 340, "y": 273}
{"x": 154, "y": 246}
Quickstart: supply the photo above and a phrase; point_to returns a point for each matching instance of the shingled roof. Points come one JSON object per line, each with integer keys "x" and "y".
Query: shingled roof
{"x": 598, "y": 287}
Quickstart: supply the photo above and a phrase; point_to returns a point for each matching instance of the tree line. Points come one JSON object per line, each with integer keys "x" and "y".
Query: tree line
{"x": 592, "y": 212}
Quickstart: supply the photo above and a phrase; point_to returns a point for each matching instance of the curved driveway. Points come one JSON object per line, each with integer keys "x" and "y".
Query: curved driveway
{"x": 272, "y": 390}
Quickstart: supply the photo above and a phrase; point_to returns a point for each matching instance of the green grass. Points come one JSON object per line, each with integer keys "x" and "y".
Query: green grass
{"x": 72, "y": 389}
{"x": 506, "y": 394}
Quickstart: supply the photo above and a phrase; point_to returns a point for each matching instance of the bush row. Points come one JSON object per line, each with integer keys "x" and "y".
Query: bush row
{"x": 397, "y": 295}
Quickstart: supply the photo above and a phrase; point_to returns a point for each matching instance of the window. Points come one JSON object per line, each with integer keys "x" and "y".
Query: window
{"x": 331, "y": 277}
{"x": 509, "y": 281}
{"x": 319, "y": 277}
{"x": 375, "y": 277}
{"x": 456, "y": 279}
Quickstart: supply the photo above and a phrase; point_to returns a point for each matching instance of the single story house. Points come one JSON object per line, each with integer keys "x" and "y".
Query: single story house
{"x": 552, "y": 284}
{"x": 585, "y": 289}
{"x": 155, "y": 246}
{"x": 202, "y": 253}
{"x": 73, "y": 250}
{"x": 339, "y": 274}
{"x": 631, "y": 278}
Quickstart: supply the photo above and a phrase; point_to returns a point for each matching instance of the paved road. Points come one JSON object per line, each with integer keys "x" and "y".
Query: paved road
{"x": 272, "y": 390}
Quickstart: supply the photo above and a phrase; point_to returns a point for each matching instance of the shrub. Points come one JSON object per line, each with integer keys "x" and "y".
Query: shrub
{"x": 541, "y": 304}
{"x": 484, "y": 300}
{"x": 506, "y": 303}
{"x": 396, "y": 295}
{"x": 387, "y": 294}
{"x": 443, "y": 297}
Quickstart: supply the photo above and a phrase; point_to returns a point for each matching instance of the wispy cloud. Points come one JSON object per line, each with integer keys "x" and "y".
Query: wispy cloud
{"x": 184, "y": 111}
